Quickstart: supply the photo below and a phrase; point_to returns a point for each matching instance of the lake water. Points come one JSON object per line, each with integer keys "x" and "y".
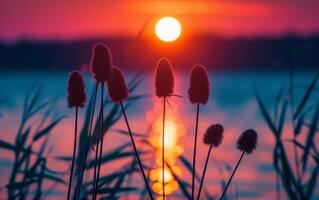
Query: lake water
{"x": 231, "y": 104}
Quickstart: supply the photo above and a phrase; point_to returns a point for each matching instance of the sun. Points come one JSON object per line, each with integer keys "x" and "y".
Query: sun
{"x": 168, "y": 29}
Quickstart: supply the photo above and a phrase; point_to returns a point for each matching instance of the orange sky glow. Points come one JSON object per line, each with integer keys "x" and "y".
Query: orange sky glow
{"x": 37, "y": 19}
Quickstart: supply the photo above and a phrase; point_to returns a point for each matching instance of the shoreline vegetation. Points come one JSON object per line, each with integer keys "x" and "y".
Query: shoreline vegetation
{"x": 30, "y": 168}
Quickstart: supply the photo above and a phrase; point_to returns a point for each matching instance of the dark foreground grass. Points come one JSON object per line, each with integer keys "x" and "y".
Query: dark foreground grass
{"x": 297, "y": 175}
{"x": 30, "y": 169}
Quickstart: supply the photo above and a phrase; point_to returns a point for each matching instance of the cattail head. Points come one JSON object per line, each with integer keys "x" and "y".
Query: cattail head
{"x": 214, "y": 135}
{"x": 76, "y": 90}
{"x": 198, "y": 91}
{"x": 164, "y": 78}
{"x": 116, "y": 86}
{"x": 101, "y": 62}
{"x": 247, "y": 141}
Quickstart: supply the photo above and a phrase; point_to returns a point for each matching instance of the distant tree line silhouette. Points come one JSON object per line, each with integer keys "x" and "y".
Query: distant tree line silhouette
{"x": 215, "y": 52}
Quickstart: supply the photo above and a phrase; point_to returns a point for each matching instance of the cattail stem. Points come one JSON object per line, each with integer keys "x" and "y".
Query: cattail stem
{"x": 231, "y": 177}
{"x": 194, "y": 154}
{"x": 204, "y": 172}
{"x": 136, "y": 152}
{"x": 78, "y": 191}
{"x": 101, "y": 141}
{"x": 74, "y": 151}
{"x": 163, "y": 150}
{"x": 95, "y": 168}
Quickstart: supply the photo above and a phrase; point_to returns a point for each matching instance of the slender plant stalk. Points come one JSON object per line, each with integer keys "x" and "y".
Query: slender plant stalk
{"x": 295, "y": 151}
{"x": 95, "y": 168}
{"x": 24, "y": 191}
{"x": 101, "y": 142}
{"x": 11, "y": 192}
{"x": 74, "y": 150}
{"x": 39, "y": 190}
{"x": 194, "y": 154}
{"x": 88, "y": 144}
{"x": 204, "y": 171}
{"x": 231, "y": 177}
{"x": 163, "y": 150}
{"x": 291, "y": 93}
{"x": 277, "y": 187}
{"x": 136, "y": 152}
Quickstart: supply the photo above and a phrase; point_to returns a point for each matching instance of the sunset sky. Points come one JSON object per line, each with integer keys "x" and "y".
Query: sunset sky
{"x": 38, "y": 19}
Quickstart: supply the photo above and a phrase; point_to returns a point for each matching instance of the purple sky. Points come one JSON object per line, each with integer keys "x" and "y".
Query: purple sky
{"x": 60, "y": 19}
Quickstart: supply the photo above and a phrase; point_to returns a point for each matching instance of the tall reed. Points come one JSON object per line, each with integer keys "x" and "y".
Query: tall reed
{"x": 76, "y": 98}
{"x": 100, "y": 149}
{"x": 246, "y": 143}
{"x": 88, "y": 144}
{"x": 198, "y": 93}
{"x": 164, "y": 86}
{"x": 213, "y": 137}
{"x": 101, "y": 68}
{"x": 118, "y": 92}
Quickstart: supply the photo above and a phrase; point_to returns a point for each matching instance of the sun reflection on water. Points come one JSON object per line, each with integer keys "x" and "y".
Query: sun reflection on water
{"x": 174, "y": 129}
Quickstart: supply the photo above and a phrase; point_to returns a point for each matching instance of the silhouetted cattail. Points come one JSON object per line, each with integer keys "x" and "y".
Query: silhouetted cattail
{"x": 214, "y": 135}
{"x": 164, "y": 85}
{"x": 247, "y": 141}
{"x": 118, "y": 92}
{"x": 164, "y": 78}
{"x": 116, "y": 86}
{"x": 76, "y": 97}
{"x": 101, "y": 62}
{"x": 198, "y": 91}
{"x": 76, "y": 90}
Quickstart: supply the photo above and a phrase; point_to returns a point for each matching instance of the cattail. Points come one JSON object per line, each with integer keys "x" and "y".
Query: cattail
{"x": 198, "y": 91}
{"x": 101, "y": 67}
{"x": 164, "y": 78}
{"x": 164, "y": 85}
{"x": 214, "y": 135}
{"x": 101, "y": 62}
{"x": 247, "y": 141}
{"x": 118, "y": 92}
{"x": 76, "y": 91}
{"x": 116, "y": 86}
{"x": 76, "y": 97}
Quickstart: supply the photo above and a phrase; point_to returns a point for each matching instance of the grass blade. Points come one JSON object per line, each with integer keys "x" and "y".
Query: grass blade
{"x": 310, "y": 138}
{"x": 266, "y": 114}
{"x": 183, "y": 185}
{"x": 312, "y": 182}
{"x": 306, "y": 96}
{"x": 11, "y": 147}
{"x": 302, "y": 147}
{"x": 282, "y": 116}
{"x": 47, "y": 129}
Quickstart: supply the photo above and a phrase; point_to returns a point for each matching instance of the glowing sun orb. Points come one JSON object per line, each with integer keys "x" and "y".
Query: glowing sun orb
{"x": 168, "y": 29}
